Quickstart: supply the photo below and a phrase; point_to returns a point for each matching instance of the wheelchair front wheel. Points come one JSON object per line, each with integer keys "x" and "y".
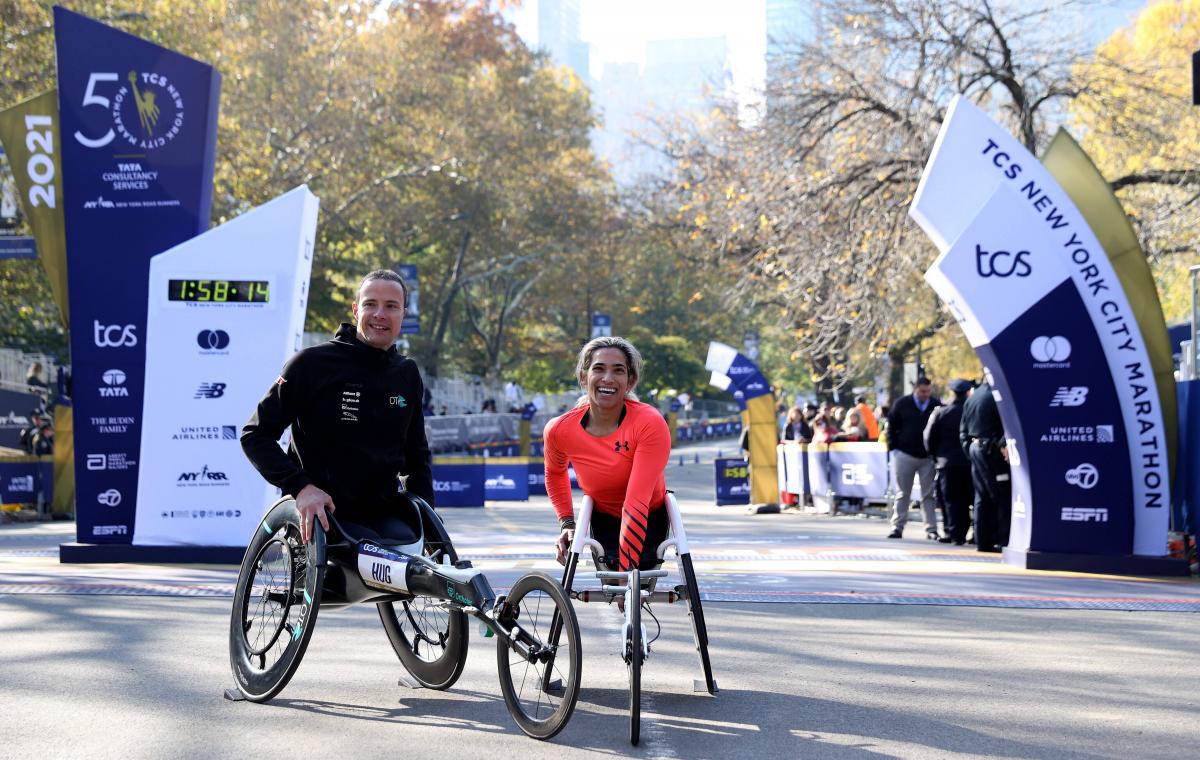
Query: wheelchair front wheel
{"x": 275, "y": 604}
{"x": 541, "y": 703}
{"x": 633, "y": 648}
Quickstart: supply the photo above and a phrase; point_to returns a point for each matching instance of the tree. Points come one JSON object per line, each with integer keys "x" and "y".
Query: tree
{"x": 811, "y": 202}
{"x": 1137, "y": 123}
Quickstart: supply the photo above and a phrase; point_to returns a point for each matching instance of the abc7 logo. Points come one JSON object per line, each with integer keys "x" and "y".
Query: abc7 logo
{"x": 1053, "y": 348}
{"x": 213, "y": 340}
{"x": 1085, "y": 476}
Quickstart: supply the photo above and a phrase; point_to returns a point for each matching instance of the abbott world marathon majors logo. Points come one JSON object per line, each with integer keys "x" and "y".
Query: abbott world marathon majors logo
{"x": 1050, "y": 352}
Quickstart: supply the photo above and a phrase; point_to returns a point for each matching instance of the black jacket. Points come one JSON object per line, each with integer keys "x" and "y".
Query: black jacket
{"x": 941, "y": 436}
{"x": 355, "y": 413}
{"x": 906, "y": 425}
{"x": 981, "y": 418}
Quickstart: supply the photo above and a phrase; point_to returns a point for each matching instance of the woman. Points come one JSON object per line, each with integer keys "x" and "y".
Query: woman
{"x": 619, "y": 448}
{"x": 796, "y": 428}
{"x": 855, "y": 428}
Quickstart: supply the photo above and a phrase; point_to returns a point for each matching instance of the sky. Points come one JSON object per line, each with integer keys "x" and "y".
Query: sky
{"x": 619, "y": 29}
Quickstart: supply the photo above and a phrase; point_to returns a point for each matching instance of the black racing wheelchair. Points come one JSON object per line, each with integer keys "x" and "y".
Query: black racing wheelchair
{"x": 410, "y": 571}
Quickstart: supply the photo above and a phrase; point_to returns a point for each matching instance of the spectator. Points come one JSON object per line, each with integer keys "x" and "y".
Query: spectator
{"x": 29, "y": 434}
{"x": 853, "y": 429}
{"x": 909, "y": 457}
{"x": 824, "y": 431}
{"x": 868, "y": 418}
{"x": 953, "y": 470}
{"x": 37, "y": 385}
{"x": 981, "y": 434}
{"x": 797, "y": 428}
{"x": 43, "y": 440}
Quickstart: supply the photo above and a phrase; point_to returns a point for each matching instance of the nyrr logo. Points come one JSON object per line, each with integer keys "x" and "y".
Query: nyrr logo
{"x": 114, "y": 382}
{"x": 212, "y": 340}
{"x": 1001, "y": 263}
{"x": 1070, "y": 396}
{"x": 205, "y": 477}
{"x": 148, "y": 112}
{"x": 210, "y": 390}
{"x": 109, "y": 498}
{"x": 500, "y": 481}
{"x": 114, "y": 336}
{"x": 1085, "y": 514}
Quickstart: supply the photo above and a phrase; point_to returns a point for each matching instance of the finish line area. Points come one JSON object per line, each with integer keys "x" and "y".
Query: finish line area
{"x": 771, "y": 559}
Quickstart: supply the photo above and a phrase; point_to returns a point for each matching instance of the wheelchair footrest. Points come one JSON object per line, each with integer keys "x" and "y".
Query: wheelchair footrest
{"x": 233, "y": 695}
{"x": 699, "y": 685}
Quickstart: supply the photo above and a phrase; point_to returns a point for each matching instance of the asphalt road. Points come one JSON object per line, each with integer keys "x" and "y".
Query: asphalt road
{"x": 828, "y": 641}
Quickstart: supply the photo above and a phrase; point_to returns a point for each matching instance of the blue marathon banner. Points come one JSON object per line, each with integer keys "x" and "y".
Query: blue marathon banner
{"x": 16, "y": 409}
{"x": 458, "y": 482}
{"x": 1038, "y": 299}
{"x": 733, "y": 481}
{"x": 412, "y": 312}
{"x": 506, "y": 479}
{"x": 138, "y": 143}
{"x": 23, "y": 480}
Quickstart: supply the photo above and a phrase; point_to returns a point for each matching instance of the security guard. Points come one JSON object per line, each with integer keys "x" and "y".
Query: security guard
{"x": 953, "y": 473}
{"x": 982, "y": 436}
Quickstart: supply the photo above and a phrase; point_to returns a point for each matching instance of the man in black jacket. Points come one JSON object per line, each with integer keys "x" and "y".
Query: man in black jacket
{"x": 354, "y": 406}
{"x": 982, "y": 436}
{"x": 909, "y": 458}
{"x": 953, "y": 470}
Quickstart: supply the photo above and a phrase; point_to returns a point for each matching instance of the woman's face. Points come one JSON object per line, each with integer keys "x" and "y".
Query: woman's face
{"x": 607, "y": 379}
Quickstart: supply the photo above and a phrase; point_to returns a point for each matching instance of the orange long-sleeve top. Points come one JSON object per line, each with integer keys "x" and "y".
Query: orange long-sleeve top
{"x": 622, "y": 471}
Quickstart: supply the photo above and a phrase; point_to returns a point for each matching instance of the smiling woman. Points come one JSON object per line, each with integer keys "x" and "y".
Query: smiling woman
{"x": 618, "y": 447}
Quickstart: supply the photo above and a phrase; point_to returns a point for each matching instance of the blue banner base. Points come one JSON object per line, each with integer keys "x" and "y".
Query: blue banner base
{"x": 77, "y": 553}
{"x": 1109, "y": 564}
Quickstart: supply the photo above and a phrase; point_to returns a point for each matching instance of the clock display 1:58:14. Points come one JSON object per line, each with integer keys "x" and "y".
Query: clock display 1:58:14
{"x": 219, "y": 291}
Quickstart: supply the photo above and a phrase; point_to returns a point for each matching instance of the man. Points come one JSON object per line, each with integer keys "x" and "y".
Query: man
{"x": 354, "y": 406}
{"x": 868, "y": 417}
{"x": 953, "y": 469}
{"x": 982, "y": 437}
{"x": 909, "y": 458}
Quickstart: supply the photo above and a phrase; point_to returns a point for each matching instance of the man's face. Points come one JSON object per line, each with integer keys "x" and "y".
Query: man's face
{"x": 379, "y": 312}
{"x": 607, "y": 378}
{"x": 923, "y": 392}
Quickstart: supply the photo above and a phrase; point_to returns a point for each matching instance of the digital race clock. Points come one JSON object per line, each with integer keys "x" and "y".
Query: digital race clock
{"x": 219, "y": 291}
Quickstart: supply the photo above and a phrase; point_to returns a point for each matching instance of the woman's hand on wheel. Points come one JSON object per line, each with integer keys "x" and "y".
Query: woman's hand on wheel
{"x": 312, "y": 503}
{"x": 563, "y": 545}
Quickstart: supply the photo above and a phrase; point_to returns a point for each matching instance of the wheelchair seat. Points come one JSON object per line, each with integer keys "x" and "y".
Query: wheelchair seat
{"x": 395, "y": 530}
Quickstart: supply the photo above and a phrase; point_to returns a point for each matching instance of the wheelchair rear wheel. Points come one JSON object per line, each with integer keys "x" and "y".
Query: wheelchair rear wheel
{"x": 430, "y": 640}
{"x": 274, "y": 604}
{"x": 633, "y": 644}
{"x": 541, "y": 703}
{"x": 696, "y": 613}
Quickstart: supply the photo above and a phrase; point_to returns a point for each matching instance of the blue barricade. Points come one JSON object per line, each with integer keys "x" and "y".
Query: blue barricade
{"x": 458, "y": 481}
{"x": 506, "y": 479}
{"x": 24, "y": 478}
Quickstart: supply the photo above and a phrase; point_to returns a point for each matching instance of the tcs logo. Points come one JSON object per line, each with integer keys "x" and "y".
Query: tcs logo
{"x": 114, "y": 336}
{"x": 1001, "y": 263}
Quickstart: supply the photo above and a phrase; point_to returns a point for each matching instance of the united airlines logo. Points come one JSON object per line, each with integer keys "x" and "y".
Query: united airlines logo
{"x": 210, "y": 390}
{"x": 1070, "y": 396}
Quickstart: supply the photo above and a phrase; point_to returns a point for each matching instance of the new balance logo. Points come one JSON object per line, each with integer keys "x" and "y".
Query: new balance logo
{"x": 1070, "y": 396}
{"x": 210, "y": 390}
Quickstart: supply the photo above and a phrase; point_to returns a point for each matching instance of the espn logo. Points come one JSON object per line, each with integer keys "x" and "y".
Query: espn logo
{"x": 109, "y": 530}
{"x": 1085, "y": 514}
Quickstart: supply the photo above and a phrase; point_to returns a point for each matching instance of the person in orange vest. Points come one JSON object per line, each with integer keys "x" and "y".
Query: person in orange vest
{"x": 868, "y": 417}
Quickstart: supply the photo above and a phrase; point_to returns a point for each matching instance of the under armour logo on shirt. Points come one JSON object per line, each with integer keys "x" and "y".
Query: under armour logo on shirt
{"x": 621, "y": 446}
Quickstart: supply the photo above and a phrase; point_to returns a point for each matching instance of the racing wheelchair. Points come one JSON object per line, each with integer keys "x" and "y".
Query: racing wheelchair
{"x": 639, "y": 590}
{"x": 410, "y": 571}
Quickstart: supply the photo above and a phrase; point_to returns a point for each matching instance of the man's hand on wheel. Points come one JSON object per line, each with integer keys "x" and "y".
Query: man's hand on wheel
{"x": 312, "y": 503}
{"x": 563, "y": 545}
